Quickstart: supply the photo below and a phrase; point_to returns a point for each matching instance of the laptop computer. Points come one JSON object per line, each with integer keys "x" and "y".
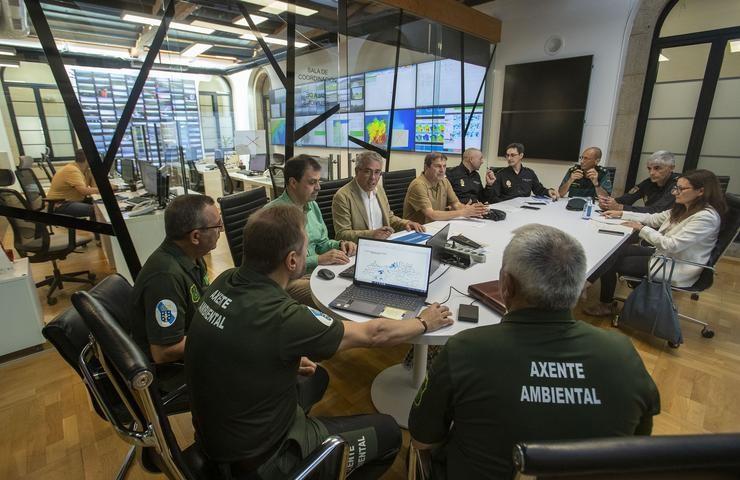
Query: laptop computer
{"x": 438, "y": 242}
{"x": 391, "y": 280}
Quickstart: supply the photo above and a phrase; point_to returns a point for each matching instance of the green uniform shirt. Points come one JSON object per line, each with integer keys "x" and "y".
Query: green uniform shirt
{"x": 166, "y": 293}
{"x": 537, "y": 376}
{"x": 241, "y": 360}
{"x": 318, "y": 236}
{"x": 584, "y": 187}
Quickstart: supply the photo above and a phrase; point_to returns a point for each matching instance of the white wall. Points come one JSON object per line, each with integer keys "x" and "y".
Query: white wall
{"x": 588, "y": 27}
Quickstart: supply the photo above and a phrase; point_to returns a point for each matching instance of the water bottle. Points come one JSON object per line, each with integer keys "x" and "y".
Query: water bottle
{"x": 588, "y": 209}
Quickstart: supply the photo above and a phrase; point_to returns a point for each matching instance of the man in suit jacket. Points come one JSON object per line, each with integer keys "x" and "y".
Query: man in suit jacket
{"x": 360, "y": 208}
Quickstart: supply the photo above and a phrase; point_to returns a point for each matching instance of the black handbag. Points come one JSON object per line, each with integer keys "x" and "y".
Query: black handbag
{"x": 650, "y": 306}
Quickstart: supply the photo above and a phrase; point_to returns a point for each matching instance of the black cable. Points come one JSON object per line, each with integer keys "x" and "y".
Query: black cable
{"x": 450, "y": 294}
{"x": 438, "y": 276}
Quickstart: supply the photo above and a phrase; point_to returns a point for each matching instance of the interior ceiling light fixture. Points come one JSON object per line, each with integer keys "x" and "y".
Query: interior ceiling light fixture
{"x": 735, "y": 46}
{"x": 100, "y": 51}
{"x": 221, "y": 28}
{"x": 195, "y": 49}
{"x": 663, "y": 58}
{"x": 8, "y": 51}
{"x": 153, "y": 21}
{"x": 275, "y": 41}
{"x": 257, "y": 19}
{"x": 278, "y": 7}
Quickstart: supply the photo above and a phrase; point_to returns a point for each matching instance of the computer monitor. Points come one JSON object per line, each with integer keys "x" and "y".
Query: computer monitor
{"x": 127, "y": 171}
{"x": 148, "y": 177}
{"x": 258, "y": 162}
{"x": 218, "y": 155}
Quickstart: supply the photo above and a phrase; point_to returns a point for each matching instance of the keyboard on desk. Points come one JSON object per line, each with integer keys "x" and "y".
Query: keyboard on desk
{"x": 137, "y": 200}
{"x": 380, "y": 296}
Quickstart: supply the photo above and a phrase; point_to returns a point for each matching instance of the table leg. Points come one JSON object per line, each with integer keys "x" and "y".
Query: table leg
{"x": 394, "y": 389}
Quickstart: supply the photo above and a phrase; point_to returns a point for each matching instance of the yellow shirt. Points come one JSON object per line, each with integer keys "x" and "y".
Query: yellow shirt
{"x": 422, "y": 195}
{"x": 64, "y": 182}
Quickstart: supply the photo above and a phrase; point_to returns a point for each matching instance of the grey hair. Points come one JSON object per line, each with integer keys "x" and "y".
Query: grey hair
{"x": 365, "y": 157}
{"x": 548, "y": 264}
{"x": 662, "y": 157}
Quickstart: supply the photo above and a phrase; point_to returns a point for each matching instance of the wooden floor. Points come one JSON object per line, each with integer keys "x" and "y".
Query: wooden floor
{"x": 51, "y": 431}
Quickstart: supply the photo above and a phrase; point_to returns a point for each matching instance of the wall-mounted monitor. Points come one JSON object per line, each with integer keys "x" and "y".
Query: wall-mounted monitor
{"x": 379, "y": 86}
{"x": 440, "y": 129}
{"x": 310, "y": 99}
{"x": 315, "y": 137}
{"x": 277, "y": 131}
{"x": 377, "y": 128}
{"x": 544, "y": 107}
{"x": 438, "y": 83}
{"x": 277, "y": 103}
{"x": 341, "y": 125}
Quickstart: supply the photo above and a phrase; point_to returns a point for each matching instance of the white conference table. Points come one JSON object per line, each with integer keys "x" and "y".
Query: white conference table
{"x": 394, "y": 389}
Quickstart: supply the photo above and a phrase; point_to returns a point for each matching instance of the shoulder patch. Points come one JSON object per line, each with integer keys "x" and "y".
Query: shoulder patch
{"x": 166, "y": 313}
{"x": 194, "y": 293}
{"x": 634, "y": 190}
{"x": 321, "y": 317}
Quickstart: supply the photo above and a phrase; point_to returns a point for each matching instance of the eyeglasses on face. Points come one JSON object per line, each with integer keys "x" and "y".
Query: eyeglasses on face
{"x": 369, "y": 171}
{"x": 679, "y": 189}
{"x": 512, "y": 155}
{"x": 220, "y": 227}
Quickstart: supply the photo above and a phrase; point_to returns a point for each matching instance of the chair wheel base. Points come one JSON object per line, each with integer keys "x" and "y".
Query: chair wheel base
{"x": 674, "y": 345}
{"x": 615, "y": 321}
{"x": 51, "y": 301}
{"x": 695, "y": 296}
{"x": 707, "y": 332}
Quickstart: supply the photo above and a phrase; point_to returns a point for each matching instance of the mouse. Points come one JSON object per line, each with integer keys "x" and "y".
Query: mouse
{"x": 325, "y": 273}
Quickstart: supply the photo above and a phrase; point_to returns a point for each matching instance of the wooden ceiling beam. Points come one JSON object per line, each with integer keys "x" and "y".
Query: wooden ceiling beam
{"x": 454, "y": 15}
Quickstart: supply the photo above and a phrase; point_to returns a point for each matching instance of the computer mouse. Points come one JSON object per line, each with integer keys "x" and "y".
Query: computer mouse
{"x": 325, "y": 273}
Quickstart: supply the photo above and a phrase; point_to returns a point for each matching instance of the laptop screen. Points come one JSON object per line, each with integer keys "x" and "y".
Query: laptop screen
{"x": 438, "y": 242}
{"x": 396, "y": 265}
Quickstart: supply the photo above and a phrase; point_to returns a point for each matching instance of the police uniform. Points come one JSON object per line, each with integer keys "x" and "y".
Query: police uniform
{"x": 539, "y": 375}
{"x": 467, "y": 185}
{"x": 656, "y": 198}
{"x": 509, "y": 184}
{"x": 166, "y": 293}
{"x": 584, "y": 187}
{"x": 241, "y": 359}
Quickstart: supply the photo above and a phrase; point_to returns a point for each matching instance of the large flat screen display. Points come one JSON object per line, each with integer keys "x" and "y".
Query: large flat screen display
{"x": 377, "y": 127}
{"x": 277, "y": 131}
{"x": 440, "y": 129}
{"x": 438, "y": 83}
{"x": 379, "y": 86}
{"x": 315, "y": 137}
{"x": 342, "y": 125}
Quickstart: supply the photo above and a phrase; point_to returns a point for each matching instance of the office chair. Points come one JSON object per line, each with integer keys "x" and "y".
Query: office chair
{"x": 32, "y": 240}
{"x": 715, "y": 456}
{"x": 25, "y": 161}
{"x": 228, "y": 184}
{"x": 278, "y": 159}
{"x": 138, "y": 414}
{"x": 724, "y": 182}
{"x": 34, "y": 191}
{"x": 395, "y": 185}
{"x": 611, "y": 172}
{"x": 47, "y": 164}
{"x": 277, "y": 176}
{"x": 727, "y": 234}
{"x": 324, "y": 199}
{"x": 196, "y": 179}
{"x": 235, "y": 211}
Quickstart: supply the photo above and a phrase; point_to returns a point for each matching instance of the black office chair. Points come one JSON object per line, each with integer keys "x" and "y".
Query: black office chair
{"x": 143, "y": 422}
{"x": 324, "y": 199}
{"x": 727, "y": 234}
{"x": 235, "y": 211}
{"x": 34, "y": 191}
{"x": 277, "y": 177}
{"x": 25, "y": 161}
{"x": 715, "y": 456}
{"x": 46, "y": 163}
{"x": 228, "y": 184}
{"x": 724, "y": 182}
{"x": 278, "y": 159}
{"x": 33, "y": 240}
{"x": 195, "y": 177}
{"x": 395, "y": 185}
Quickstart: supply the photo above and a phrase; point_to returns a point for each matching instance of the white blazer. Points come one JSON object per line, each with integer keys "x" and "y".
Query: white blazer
{"x": 692, "y": 239}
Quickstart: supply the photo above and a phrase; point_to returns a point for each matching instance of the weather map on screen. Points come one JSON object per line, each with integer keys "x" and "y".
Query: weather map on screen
{"x": 341, "y": 125}
{"x": 277, "y": 131}
{"x": 440, "y": 129}
{"x": 314, "y": 138}
{"x": 377, "y": 126}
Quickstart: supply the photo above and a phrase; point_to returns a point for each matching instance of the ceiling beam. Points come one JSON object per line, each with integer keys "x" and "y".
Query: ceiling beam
{"x": 454, "y": 15}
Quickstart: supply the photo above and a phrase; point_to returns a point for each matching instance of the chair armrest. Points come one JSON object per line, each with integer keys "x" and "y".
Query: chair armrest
{"x": 333, "y": 449}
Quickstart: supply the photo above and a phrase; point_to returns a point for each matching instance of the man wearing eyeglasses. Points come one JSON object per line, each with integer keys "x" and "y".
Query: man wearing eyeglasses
{"x": 587, "y": 179}
{"x": 516, "y": 180}
{"x": 360, "y": 208}
{"x": 171, "y": 282}
{"x": 466, "y": 181}
{"x": 654, "y": 190}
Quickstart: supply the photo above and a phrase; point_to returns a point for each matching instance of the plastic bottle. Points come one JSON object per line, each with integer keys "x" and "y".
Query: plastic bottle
{"x": 588, "y": 209}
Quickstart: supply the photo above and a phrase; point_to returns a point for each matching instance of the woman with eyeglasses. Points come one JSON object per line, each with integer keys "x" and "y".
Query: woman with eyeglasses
{"x": 688, "y": 231}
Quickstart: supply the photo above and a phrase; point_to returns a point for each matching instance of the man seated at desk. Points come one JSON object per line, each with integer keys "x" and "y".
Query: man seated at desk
{"x": 430, "y": 196}
{"x": 302, "y": 184}
{"x": 248, "y": 340}
{"x": 466, "y": 181}
{"x": 516, "y": 180}
{"x": 360, "y": 208}
{"x": 538, "y": 375}
{"x": 656, "y": 190}
{"x": 172, "y": 281}
{"x": 587, "y": 179}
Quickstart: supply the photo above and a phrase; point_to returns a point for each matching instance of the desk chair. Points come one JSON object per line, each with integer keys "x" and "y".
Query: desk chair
{"x": 196, "y": 179}
{"x": 724, "y": 182}
{"x": 225, "y": 178}
{"x": 143, "y": 422}
{"x": 278, "y": 159}
{"x": 611, "y": 172}
{"x": 25, "y": 161}
{"x": 396, "y": 184}
{"x": 47, "y": 164}
{"x": 277, "y": 176}
{"x": 727, "y": 234}
{"x": 324, "y": 199}
{"x": 235, "y": 210}
{"x": 706, "y": 457}
{"x": 34, "y": 191}
{"x": 33, "y": 240}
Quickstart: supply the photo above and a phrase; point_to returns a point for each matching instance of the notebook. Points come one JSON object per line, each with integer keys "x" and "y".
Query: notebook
{"x": 488, "y": 293}
{"x": 391, "y": 280}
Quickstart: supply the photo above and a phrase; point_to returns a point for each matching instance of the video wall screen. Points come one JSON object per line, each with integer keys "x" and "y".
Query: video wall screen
{"x": 427, "y": 108}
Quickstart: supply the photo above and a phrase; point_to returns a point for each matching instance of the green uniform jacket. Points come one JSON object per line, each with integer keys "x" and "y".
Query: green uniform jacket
{"x": 318, "y": 236}
{"x": 350, "y": 215}
{"x": 584, "y": 187}
{"x": 166, "y": 292}
{"x": 537, "y": 376}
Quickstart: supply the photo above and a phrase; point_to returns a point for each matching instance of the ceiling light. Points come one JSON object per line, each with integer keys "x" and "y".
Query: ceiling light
{"x": 9, "y": 51}
{"x": 195, "y": 49}
{"x": 277, "y": 7}
{"x": 662, "y": 58}
{"x": 735, "y": 46}
{"x": 275, "y": 41}
{"x": 221, "y": 28}
{"x": 153, "y": 21}
{"x": 100, "y": 51}
{"x": 9, "y": 63}
{"x": 257, "y": 19}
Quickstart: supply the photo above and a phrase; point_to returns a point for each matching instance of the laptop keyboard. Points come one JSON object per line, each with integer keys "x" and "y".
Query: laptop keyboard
{"x": 371, "y": 295}
{"x": 348, "y": 272}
